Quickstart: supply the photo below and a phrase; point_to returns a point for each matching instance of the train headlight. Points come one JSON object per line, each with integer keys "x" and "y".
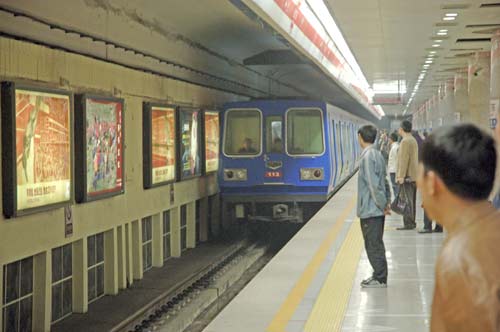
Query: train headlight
{"x": 235, "y": 174}
{"x": 312, "y": 174}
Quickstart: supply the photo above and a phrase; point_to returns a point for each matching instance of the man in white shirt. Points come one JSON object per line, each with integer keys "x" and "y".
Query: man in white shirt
{"x": 393, "y": 160}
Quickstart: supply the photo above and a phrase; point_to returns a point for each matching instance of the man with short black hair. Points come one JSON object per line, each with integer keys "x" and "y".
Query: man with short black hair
{"x": 456, "y": 175}
{"x": 407, "y": 169}
{"x": 373, "y": 204}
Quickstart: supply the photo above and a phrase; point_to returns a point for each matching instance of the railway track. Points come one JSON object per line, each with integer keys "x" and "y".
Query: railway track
{"x": 201, "y": 296}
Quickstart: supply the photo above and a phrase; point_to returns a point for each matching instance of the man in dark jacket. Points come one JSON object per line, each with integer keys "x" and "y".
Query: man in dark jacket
{"x": 374, "y": 197}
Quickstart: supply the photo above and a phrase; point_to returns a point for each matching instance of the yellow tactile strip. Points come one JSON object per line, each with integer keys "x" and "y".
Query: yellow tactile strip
{"x": 329, "y": 310}
{"x": 296, "y": 295}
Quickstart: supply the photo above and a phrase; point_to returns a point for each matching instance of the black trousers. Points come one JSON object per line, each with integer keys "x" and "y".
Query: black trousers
{"x": 428, "y": 223}
{"x": 409, "y": 221}
{"x": 373, "y": 233}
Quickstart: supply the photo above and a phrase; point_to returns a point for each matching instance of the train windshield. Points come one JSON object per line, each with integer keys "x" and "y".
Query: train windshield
{"x": 274, "y": 139}
{"x": 304, "y": 130}
{"x": 243, "y": 133}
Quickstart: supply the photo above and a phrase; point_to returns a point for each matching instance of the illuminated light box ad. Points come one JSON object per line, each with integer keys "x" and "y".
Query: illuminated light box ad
{"x": 159, "y": 144}
{"x": 99, "y": 160}
{"x": 36, "y": 152}
{"x": 211, "y": 141}
{"x": 190, "y": 143}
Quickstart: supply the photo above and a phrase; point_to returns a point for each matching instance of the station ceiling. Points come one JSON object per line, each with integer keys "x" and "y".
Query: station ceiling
{"x": 392, "y": 39}
{"x": 214, "y": 43}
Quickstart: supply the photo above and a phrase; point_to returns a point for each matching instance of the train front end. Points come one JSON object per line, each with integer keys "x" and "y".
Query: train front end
{"x": 275, "y": 160}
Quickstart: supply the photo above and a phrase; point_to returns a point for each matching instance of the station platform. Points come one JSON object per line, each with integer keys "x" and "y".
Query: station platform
{"x": 312, "y": 284}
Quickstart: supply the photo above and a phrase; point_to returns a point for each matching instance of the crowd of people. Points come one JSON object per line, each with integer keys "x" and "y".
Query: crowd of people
{"x": 454, "y": 171}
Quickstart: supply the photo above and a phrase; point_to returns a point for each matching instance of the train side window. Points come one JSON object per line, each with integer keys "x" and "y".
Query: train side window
{"x": 242, "y": 135}
{"x": 274, "y": 134}
{"x": 304, "y": 130}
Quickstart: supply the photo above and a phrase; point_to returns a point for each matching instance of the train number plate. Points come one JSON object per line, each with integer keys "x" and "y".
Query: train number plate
{"x": 273, "y": 174}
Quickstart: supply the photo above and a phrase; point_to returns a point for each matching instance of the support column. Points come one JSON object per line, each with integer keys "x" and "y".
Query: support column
{"x": 137, "y": 249}
{"x": 191, "y": 225}
{"x": 175, "y": 229}
{"x": 479, "y": 89}
{"x": 449, "y": 104}
{"x": 122, "y": 257}
{"x": 110, "y": 262}
{"x": 42, "y": 291}
{"x": 129, "y": 254}
{"x": 1, "y": 292}
{"x": 80, "y": 276}
{"x": 495, "y": 95}
{"x": 461, "y": 97}
{"x": 216, "y": 215}
{"x": 204, "y": 219}
{"x": 157, "y": 227}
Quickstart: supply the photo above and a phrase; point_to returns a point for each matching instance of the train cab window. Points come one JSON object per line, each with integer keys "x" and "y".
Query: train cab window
{"x": 243, "y": 133}
{"x": 304, "y": 132}
{"x": 274, "y": 136}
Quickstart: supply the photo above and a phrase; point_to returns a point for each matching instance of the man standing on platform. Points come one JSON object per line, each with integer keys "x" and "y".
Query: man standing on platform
{"x": 456, "y": 177}
{"x": 407, "y": 169}
{"x": 393, "y": 161}
{"x": 373, "y": 205}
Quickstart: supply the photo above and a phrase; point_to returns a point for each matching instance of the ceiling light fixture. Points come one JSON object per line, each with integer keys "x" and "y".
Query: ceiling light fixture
{"x": 432, "y": 52}
{"x": 443, "y": 30}
{"x": 451, "y": 14}
{"x": 442, "y": 33}
{"x": 448, "y": 18}
{"x": 435, "y": 45}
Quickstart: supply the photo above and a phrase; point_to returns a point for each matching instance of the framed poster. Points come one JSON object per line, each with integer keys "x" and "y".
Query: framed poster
{"x": 211, "y": 131}
{"x": 99, "y": 160}
{"x": 189, "y": 137}
{"x": 159, "y": 144}
{"x": 37, "y": 146}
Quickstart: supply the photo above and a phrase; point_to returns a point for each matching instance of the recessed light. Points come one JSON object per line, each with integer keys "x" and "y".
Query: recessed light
{"x": 448, "y": 18}
{"x": 432, "y": 52}
{"x": 451, "y": 14}
{"x": 426, "y": 66}
{"x": 435, "y": 45}
{"x": 443, "y": 30}
{"x": 438, "y": 40}
{"x": 442, "y": 33}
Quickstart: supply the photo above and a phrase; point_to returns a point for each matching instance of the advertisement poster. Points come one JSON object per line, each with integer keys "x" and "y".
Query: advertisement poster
{"x": 190, "y": 149}
{"x": 163, "y": 144}
{"x": 43, "y": 148}
{"x": 104, "y": 155}
{"x": 211, "y": 141}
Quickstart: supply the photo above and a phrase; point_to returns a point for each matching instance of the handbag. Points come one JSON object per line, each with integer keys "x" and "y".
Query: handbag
{"x": 403, "y": 203}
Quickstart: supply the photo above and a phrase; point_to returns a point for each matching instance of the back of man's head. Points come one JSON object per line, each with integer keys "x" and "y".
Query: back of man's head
{"x": 406, "y": 126}
{"x": 464, "y": 157}
{"x": 368, "y": 133}
{"x": 394, "y": 137}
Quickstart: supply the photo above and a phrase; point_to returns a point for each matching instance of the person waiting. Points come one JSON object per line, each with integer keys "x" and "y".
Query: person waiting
{"x": 407, "y": 169}
{"x": 374, "y": 198}
{"x": 455, "y": 176}
{"x": 393, "y": 160}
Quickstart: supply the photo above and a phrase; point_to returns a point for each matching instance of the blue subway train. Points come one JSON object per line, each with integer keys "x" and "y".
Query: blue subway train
{"x": 282, "y": 160}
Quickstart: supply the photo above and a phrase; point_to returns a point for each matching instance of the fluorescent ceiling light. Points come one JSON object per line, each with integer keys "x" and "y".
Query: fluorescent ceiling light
{"x": 426, "y": 66}
{"x": 428, "y": 61}
{"x": 443, "y": 30}
{"x": 435, "y": 45}
{"x": 324, "y": 17}
{"x": 438, "y": 40}
{"x": 391, "y": 86}
{"x": 432, "y": 52}
{"x": 448, "y": 18}
{"x": 451, "y": 14}
{"x": 442, "y": 33}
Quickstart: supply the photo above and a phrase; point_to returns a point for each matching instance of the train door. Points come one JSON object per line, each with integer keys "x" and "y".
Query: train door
{"x": 340, "y": 153}
{"x": 274, "y": 154}
{"x": 345, "y": 151}
{"x": 334, "y": 154}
